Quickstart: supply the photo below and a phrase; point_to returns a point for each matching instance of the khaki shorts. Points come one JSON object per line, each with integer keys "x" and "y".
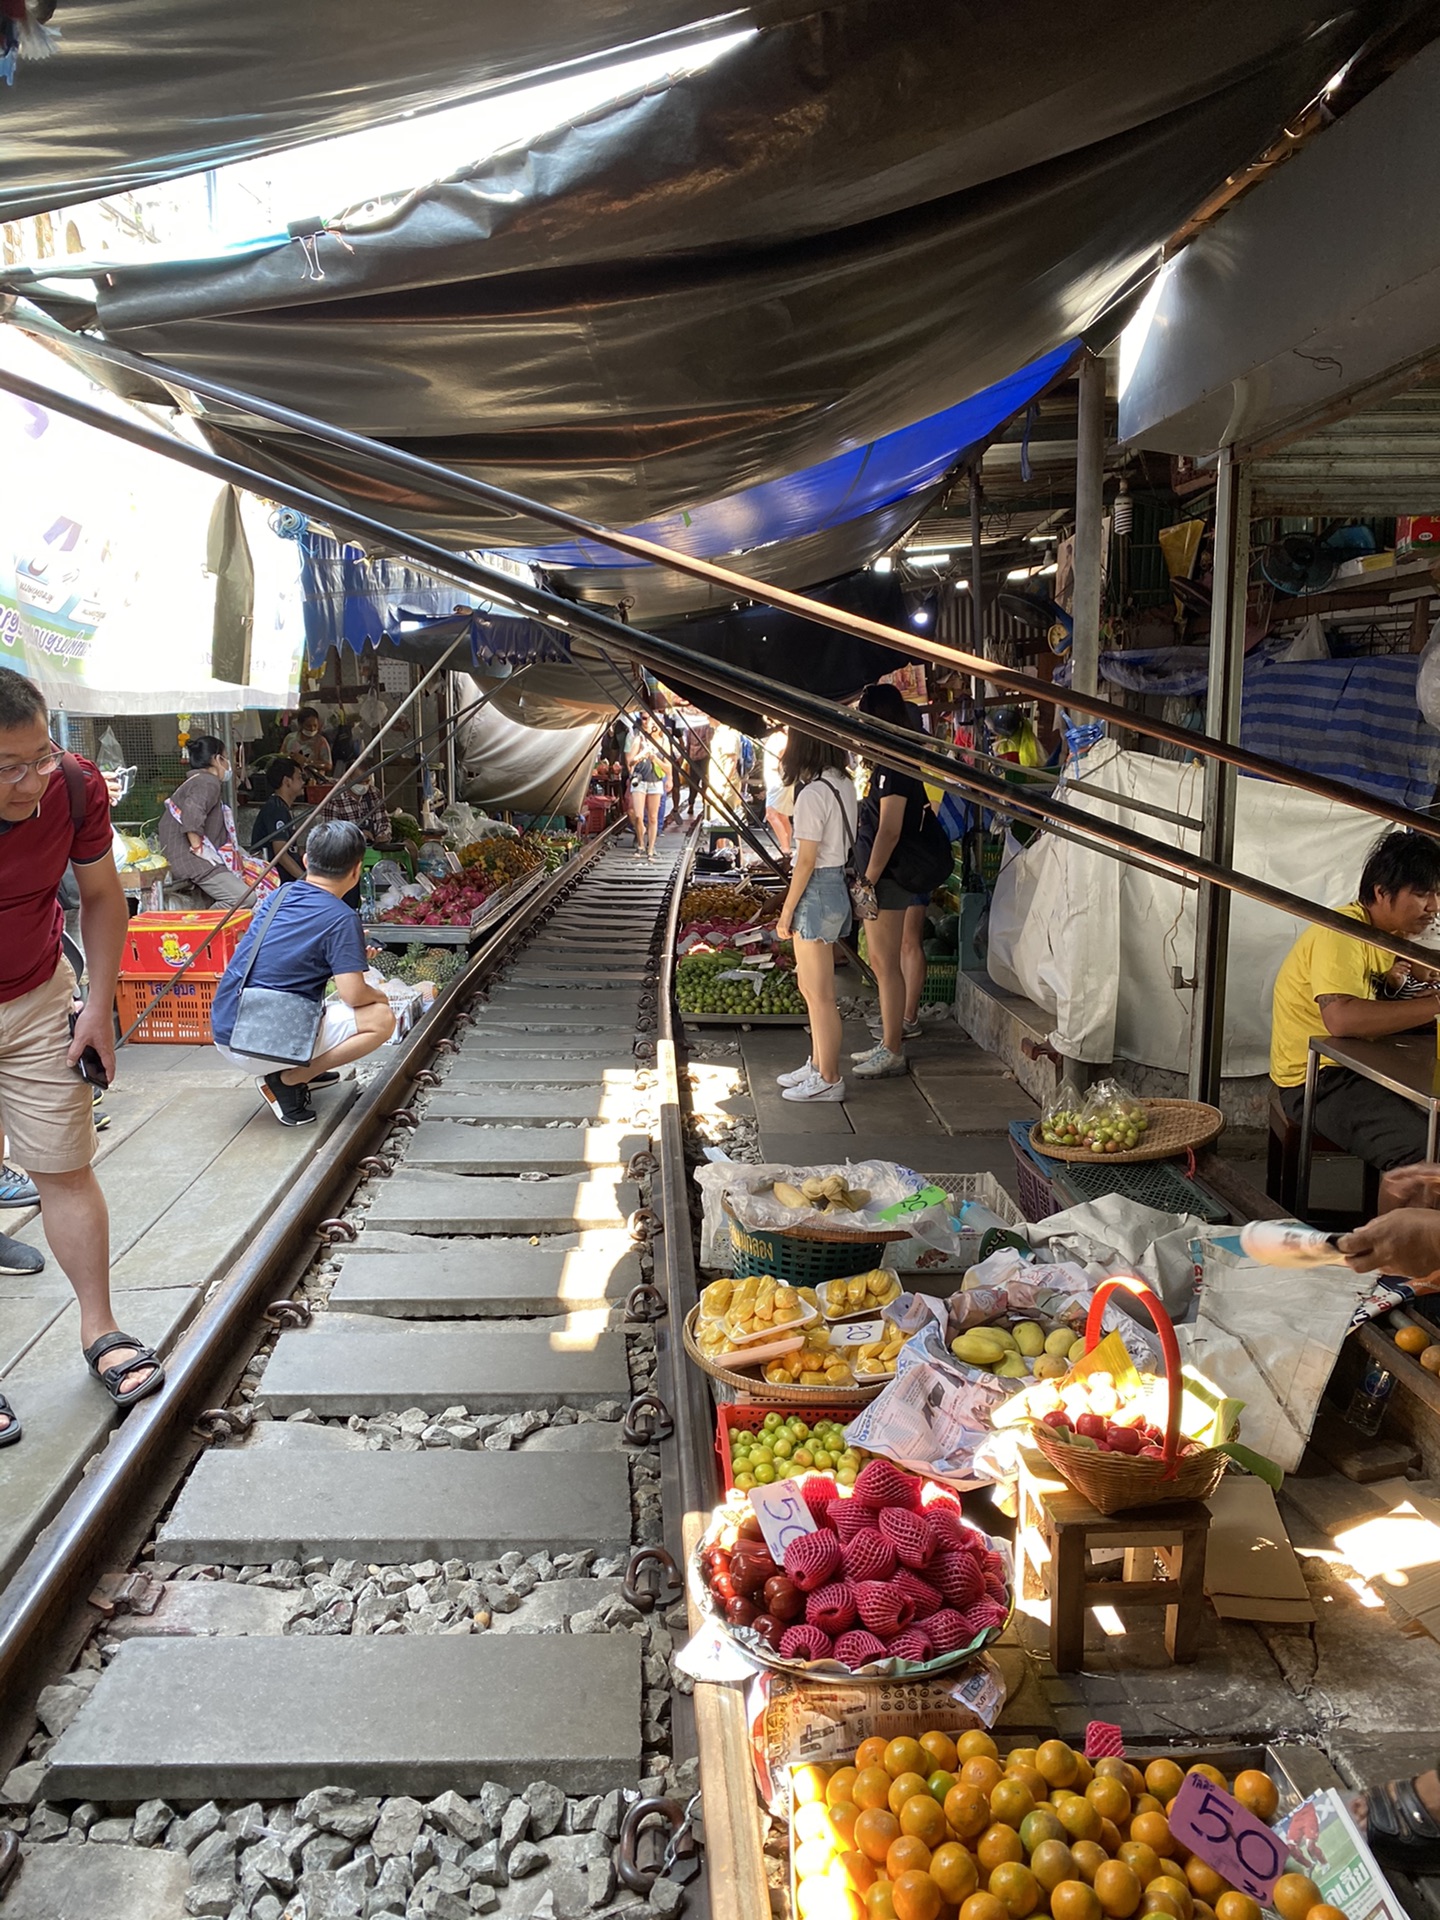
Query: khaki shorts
{"x": 45, "y": 1107}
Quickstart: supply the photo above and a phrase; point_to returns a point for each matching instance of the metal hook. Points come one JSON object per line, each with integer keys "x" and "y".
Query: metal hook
{"x": 647, "y": 1419}
{"x": 643, "y": 1588}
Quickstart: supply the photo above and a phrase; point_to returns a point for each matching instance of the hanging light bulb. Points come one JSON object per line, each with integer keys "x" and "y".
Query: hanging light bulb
{"x": 1123, "y": 512}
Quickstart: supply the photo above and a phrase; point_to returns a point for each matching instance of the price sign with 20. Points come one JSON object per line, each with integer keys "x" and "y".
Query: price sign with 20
{"x": 1228, "y": 1837}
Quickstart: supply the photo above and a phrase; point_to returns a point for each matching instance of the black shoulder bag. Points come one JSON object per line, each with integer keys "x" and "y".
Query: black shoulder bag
{"x": 271, "y": 1024}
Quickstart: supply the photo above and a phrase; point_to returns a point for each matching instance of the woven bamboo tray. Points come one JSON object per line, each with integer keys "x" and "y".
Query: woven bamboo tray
{"x": 1114, "y": 1482}
{"x": 757, "y": 1389}
{"x": 1175, "y": 1126}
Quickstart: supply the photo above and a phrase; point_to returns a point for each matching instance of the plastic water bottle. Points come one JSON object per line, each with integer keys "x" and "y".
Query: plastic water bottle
{"x": 1369, "y": 1400}
{"x": 1285, "y": 1243}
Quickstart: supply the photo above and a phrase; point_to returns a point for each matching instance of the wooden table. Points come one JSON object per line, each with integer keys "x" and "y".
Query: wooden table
{"x": 1404, "y": 1063}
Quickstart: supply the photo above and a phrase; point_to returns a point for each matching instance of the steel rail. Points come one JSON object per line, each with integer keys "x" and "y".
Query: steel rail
{"x": 898, "y": 747}
{"x": 70, "y": 1553}
{"x": 30, "y": 319}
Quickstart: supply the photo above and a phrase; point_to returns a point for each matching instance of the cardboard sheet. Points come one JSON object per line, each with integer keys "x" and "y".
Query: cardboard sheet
{"x": 1251, "y": 1572}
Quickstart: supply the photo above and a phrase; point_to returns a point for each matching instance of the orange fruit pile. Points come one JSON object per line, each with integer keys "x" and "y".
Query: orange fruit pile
{"x": 942, "y": 1828}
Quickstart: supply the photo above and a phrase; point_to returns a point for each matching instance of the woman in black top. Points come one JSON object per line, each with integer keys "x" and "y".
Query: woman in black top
{"x": 895, "y": 808}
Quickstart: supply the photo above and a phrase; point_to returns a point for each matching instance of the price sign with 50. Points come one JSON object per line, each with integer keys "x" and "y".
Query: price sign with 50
{"x": 1228, "y": 1837}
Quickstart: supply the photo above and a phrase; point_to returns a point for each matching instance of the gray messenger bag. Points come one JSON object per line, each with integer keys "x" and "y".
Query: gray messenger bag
{"x": 271, "y": 1024}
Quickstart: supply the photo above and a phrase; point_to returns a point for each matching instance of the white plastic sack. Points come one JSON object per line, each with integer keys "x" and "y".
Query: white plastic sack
{"x": 1269, "y": 1336}
{"x": 1113, "y": 1234}
{"x": 1092, "y": 942}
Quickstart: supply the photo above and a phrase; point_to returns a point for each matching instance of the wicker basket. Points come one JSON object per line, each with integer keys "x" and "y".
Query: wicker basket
{"x": 758, "y": 1391}
{"x": 1175, "y": 1126}
{"x": 804, "y": 1256}
{"x": 1113, "y": 1482}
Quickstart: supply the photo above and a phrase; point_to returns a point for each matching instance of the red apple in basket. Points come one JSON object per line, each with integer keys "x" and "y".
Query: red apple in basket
{"x": 1090, "y": 1424}
{"x": 1122, "y": 1439}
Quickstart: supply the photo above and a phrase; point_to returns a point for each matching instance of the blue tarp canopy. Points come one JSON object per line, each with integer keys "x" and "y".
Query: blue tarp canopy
{"x": 899, "y": 467}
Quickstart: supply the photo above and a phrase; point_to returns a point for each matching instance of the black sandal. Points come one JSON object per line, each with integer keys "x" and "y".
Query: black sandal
{"x": 1400, "y": 1828}
{"x": 9, "y": 1435}
{"x": 110, "y": 1377}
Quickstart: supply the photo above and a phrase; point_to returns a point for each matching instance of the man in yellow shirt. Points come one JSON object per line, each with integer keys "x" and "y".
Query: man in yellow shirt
{"x": 1329, "y": 983}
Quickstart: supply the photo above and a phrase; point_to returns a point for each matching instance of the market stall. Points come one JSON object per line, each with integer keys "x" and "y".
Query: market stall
{"x": 929, "y": 1413}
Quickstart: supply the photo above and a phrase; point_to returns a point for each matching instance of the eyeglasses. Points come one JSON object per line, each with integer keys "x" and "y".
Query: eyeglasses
{"x": 13, "y": 774}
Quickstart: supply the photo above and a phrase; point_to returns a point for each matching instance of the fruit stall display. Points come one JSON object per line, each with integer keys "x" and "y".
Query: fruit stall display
{"x": 758, "y": 1322}
{"x": 702, "y": 988}
{"x": 941, "y": 1825}
{"x": 488, "y": 867}
{"x": 891, "y": 1580}
{"x": 1020, "y": 1349}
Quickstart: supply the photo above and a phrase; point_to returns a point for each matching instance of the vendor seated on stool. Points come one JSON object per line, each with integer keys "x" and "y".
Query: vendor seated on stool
{"x": 1329, "y": 983}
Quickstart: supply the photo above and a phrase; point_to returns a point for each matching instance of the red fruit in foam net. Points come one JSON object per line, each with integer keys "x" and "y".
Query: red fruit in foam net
{"x": 912, "y": 1536}
{"x": 820, "y": 1494}
{"x": 879, "y": 1485}
{"x": 997, "y": 1591}
{"x": 805, "y": 1643}
{"x": 858, "y": 1648}
{"x": 832, "y": 1607}
{"x": 812, "y": 1560}
{"x": 850, "y": 1518}
{"x": 924, "y": 1596}
{"x": 991, "y": 1613}
{"x": 913, "y": 1644}
{"x": 949, "y": 1630}
{"x": 957, "y": 1577}
{"x": 868, "y": 1556}
{"x": 944, "y": 1517}
{"x": 991, "y": 1562}
{"x": 883, "y": 1608}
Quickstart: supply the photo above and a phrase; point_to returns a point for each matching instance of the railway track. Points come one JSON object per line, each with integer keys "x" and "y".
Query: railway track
{"x": 397, "y": 1641}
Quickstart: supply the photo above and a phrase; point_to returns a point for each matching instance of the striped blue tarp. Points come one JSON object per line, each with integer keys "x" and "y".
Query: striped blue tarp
{"x": 1351, "y": 720}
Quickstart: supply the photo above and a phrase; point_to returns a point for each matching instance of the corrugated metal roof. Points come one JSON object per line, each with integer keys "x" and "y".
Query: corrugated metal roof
{"x": 1380, "y": 461}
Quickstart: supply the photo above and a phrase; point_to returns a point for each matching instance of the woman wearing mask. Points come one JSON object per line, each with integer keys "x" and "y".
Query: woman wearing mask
{"x": 817, "y": 906}
{"x": 197, "y": 828}
{"x": 892, "y": 823}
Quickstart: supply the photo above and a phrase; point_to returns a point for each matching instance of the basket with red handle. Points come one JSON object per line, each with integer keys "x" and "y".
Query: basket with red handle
{"x": 1112, "y": 1482}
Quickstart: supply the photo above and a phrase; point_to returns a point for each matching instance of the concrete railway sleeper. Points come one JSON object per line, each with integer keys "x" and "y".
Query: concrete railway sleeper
{"x": 382, "y": 1592}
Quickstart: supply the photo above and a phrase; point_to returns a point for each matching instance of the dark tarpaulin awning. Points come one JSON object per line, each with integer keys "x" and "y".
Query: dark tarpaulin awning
{"x": 842, "y": 226}
{"x": 143, "y": 91}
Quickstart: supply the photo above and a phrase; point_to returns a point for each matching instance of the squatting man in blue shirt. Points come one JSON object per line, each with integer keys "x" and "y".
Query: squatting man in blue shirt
{"x": 315, "y": 938}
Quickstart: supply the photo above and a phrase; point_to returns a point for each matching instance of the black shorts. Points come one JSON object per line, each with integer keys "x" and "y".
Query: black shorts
{"x": 891, "y": 897}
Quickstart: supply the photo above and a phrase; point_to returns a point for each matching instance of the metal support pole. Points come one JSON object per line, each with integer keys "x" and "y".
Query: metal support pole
{"x": 977, "y": 585}
{"x": 1222, "y": 718}
{"x": 445, "y": 698}
{"x": 1089, "y": 525}
{"x": 227, "y": 738}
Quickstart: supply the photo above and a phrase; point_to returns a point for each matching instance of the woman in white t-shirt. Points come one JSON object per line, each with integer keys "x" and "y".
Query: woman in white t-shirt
{"x": 817, "y": 906}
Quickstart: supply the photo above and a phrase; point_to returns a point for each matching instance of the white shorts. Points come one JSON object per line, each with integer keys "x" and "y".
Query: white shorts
{"x": 338, "y": 1024}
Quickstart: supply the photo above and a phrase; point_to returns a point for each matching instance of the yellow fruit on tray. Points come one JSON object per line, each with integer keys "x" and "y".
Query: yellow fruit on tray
{"x": 1412, "y": 1339}
{"x": 1430, "y": 1358}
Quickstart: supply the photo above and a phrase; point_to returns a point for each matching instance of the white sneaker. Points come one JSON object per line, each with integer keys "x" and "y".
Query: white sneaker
{"x": 881, "y": 1064}
{"x": 795, "y": 1075}
{"x": 814, "y": 1088}
{"x": 867, "y": 1053}
{"x": 912, "y": 1029}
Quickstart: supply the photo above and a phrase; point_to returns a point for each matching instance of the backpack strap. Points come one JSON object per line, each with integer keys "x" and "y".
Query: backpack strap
{"x": 74, "y": 786}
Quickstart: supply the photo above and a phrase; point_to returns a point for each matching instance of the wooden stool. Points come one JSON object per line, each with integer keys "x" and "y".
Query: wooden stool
{"x": 1057, "y": 1530}
{"x": 1282, "y": 1166}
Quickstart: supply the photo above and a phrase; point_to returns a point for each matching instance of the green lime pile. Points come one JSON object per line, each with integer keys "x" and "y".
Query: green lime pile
{"x": 786, "y": 1447}
{"x": 699, "y": 988}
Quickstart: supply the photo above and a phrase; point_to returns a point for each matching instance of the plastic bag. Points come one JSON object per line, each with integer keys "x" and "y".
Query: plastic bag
{"x": 1060, "y": 1122}
{"x": 749, "y": 1189}
{"x": 1112, "y": 1120}
{"x": 933, "y": 1415}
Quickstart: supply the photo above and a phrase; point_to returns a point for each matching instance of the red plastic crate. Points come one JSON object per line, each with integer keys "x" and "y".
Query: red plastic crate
{"x": 181, "y": 1019}
{"x": 753, "y": 1418}
{"x": 161, "y": 943}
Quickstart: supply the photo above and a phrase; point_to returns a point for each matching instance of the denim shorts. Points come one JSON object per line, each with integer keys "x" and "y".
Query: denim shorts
{"x": 823, "y": 912}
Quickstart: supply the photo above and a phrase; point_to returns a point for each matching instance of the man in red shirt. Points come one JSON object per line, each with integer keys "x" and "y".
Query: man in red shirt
{"x": 53, "y": 813}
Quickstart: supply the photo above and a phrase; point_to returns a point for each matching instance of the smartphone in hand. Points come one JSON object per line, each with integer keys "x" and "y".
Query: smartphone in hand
{"x": 90, "y": 1067}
